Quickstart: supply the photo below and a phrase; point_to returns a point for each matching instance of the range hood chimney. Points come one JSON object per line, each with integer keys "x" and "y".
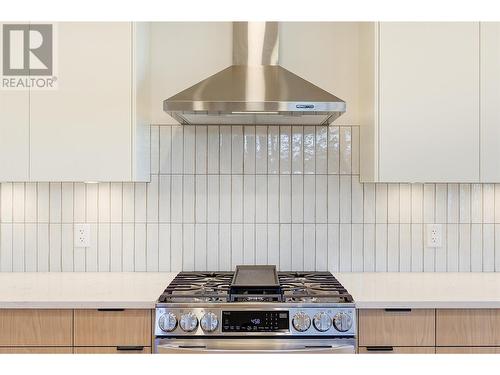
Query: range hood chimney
{"x": 255, "y": 89}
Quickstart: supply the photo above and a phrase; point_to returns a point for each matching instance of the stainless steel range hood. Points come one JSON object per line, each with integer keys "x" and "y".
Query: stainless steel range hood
{"x": 255, "y": 89}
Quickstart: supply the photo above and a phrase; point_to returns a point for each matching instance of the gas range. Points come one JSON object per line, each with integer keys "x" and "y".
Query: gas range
{"x": 255, "y": 307}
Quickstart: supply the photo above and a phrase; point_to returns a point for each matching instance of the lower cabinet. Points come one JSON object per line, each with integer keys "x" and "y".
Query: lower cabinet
{"x": 37, "y": 350}
{"x": 467, "y": 350}
{"x": 397, "y": 350}
{"x": 113, "y": 350}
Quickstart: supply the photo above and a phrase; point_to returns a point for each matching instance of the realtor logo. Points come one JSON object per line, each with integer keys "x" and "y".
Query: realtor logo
{"x": 28, "y": 56}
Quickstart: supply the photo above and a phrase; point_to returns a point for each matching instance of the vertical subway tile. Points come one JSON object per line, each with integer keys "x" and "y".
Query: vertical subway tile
{"x": 261, "y": 199}
{"x": 43, "y": 248}
{"x": 139, "y": 202}
{"x": 165, "y": 149}
{"x": 355, "y": 150}
{"x": 497, "y": 203}
{"x": 309, "y": 149}
{"x": 333, "y": 150}
{"x": 91, "y": 202}
{"x": 261, "y": 149}
{"x": 78, "y": 202}
{"x": 321, "y": 247}
{"x": 273, "y": 150}
{"x": 369, "y": 247}
{"x": 236, "y": 245}
{"x": 380, "y": 247}
{"x": 237, "y": 199}
{"x": 188, "y": 199}
{"x": 237, "y": 149}
{"x": 381, "y": 204}
{"x": 201, "y": 198}
{"x": 164, "y": 198}
{"x": 488, "y": 203}
{"x": 189, "y": 149}
{"x": 104, "y": 208}
{"x": 452, "y": 247}
{"x": 357, "y": 200}
{"x": 345, "y": 248}
{"x": 393, "y": 248}
{"x": 116, "y": 200}
{"x": 30, "y": 204}
{"x": 297, "y": 199}
{"x": 103, "y": 247}
{"x": 44, "y": 199}
{"x": 309, "y": 198}
{"x": 18, "y": 200}
{"x": 285, "y": 150}
{"x": 497, "y": 248}
{"x": 213, "y": 199}
{"x": 297, "y": 149}
{"x": 55, "y": 247}
{"x": 201, "y": 145}
{"x": 453, "y": 203}
{"x": 333, "y": 247}
{"x": 297, "y": 247}
{"x": 67, "y": 247}
{"x": 405, "y": 203}
{"x": 176, "y": 197}
{"x": 249, "y": 150}
{"x": 488, "y": 247}
{"x": 115, "y": 247}
{"x": 405, "y": 247}
{"x": 91, "y": 251}
{"x": 213, "y": 150}
{"x": 176, "y": 247}
{"x": 67, "y": 202}
{"x": 345, "y": 150}
{"x": 200, "y": 245}
{"x": 476, "y": 248}
{"x": 465, "y": 206}
{"x": 440, "y": 252}
{"x": 273, "y": 243}
{"x": 369, "y": 203}
{"x": 152, "y": 247}
{"x": 321, "y": 149}
{"x": 6, "y": 243}
{"x": 417, "y": 203}
{"x": 417, "y": 247}
{"x": 188, "y": 250}
{"x": 177, "y": 149}
{"x": 261, "y": 244}
{"x": 18, "y": 247}
{"x": 345, "y": 199}
{"x": 441, "y": 203}
{"x": 273, "y": 194}
{"x": 464, "y": 255}
{"x": 225, "y": 149}
{"x": 155, "y": 149}
{"x": 164, "y": 247}
{"x": 285, "y": 200}
{"x": 249, "y": 243}
{"x": 357, "y": 247}
{"x": 213, "y": 246}
{"x": 333, "y": 199}
{"x": 285, "y": 248}
{"x": 6, "y": 202}
{"x": 476, "y": 203}
{"x": 225, "y": 199}
{"x": 393, "y": 203}
{"x": 429, "y": 203}
{"x": 309, "y": 246}
{"x": 321, "y": 199}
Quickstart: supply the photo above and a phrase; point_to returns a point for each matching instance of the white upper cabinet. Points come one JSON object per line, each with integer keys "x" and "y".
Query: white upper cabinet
{"x": 423, "y": 95}
{"x": 490, "y": 102}
{"x": 14, "y": 129}
{"x": 94, "y": 126}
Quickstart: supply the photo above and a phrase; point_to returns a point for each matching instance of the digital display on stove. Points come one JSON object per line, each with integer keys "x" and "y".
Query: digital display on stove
{"x": 255, "y": 321}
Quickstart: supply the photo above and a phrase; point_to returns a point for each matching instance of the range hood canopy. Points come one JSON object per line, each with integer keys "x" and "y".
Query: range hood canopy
{"x": 255, "y": 89}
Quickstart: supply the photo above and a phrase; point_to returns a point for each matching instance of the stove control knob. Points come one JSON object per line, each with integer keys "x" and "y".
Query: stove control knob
{"x": 342, "y": 322}
{"x": 322, "y": 321}
{"x": 167, "y": 322}
{"x": 209, "y": 322}
{"x": 301, "y": 321}
{"x": 188, "y": 322}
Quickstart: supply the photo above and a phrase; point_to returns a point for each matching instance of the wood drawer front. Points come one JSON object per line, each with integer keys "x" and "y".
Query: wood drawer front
{"x": 112, "y": 328}
{"x": 20, "y": 327}
{"x": 37, "y": 350}
{"x": 467, "y": 350}
{"x": 112, "y": 350}
{"x": 470, "y": 327}
{"x": 397, "y": 350}
{"x": 396, "y": 327}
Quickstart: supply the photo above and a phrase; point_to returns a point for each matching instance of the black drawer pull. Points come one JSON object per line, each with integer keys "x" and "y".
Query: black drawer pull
{"x": 398, "y": 310}
{"x": 379, "y": 348}
{"x": 110, "y": 309}
{"x": 130, "y": 348}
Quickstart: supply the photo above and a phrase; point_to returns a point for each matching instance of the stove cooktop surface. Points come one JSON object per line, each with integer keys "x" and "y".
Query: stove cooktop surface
{"x": 223, "y": 287}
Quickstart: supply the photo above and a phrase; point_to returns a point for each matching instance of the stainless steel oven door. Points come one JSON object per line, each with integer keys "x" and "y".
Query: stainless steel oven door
{"x": 254, "y": 345}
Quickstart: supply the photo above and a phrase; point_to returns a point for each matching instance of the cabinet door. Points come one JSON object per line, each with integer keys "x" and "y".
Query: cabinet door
{"x": 38, "y": 350}
{"x": 14, "y": 128}
{"x": 429, "y": 102}
{"x": 397, "y": 350}
{"x": 113, "y": 350}
{"x": 490, "y": 102}
{"x": 467, "y": 350}
{"x": 81, "y": 131}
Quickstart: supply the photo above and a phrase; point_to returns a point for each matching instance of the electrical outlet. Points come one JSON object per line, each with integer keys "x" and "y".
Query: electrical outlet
{"x": 82, "y": 235}
{"x": 434, "y": 234}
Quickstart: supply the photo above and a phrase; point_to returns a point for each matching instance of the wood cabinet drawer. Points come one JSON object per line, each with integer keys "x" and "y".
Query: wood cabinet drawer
{"x": 112, "y": 327}
{"x": 396, "y": 327}
{"x": 112, "y": 350}
{"x": 467, "y": 350}
{"x": 397, "y": 350}
{"x": 471, "y": 327}
{"x": 37, "y": 350}
{"x": 36, "y": 327}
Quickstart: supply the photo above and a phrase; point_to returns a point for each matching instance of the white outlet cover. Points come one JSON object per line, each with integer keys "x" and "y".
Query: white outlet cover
{"x": 81, "y": 235}
{"x": 434, "y": 235}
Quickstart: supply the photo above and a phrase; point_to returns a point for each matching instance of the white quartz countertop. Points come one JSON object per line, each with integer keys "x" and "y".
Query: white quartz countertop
{"x": 423, "y": 290}
{"x": 73, "y": 290}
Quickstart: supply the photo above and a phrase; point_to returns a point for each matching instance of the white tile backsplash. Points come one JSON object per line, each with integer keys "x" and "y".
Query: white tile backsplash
{"x": 220, "y": 196}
